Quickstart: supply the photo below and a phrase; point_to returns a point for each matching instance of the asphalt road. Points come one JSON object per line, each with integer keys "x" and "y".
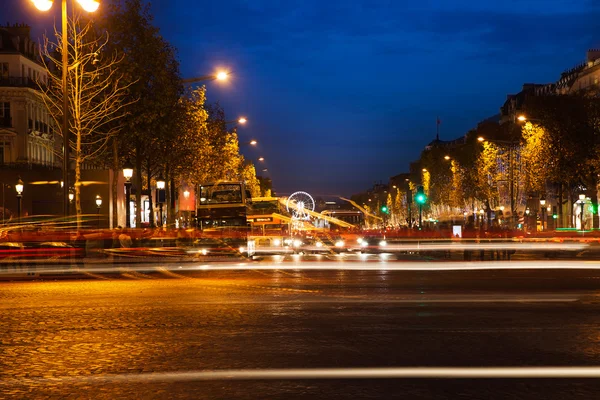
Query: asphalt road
{"x": 275, "y": 332}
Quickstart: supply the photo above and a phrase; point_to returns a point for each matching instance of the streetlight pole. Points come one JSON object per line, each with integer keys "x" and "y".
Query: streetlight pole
{"x": 127, "y": 174}
{"x": 19, "y": 189}
{"x": 98, "y": 205}
{"x": 89, "y": 6}
{"x": 543, "y": 207}
{"x": 219, "y": 76}
{"x": 581, "y": 203}
{"x": 160, "y": 185}
{"x": 65, "y": 118}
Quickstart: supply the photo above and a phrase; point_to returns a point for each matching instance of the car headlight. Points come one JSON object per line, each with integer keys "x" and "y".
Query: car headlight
{"x": 319, "y": 244}
{"x": 297, "y": 243}
{"x": 204, "y": 252}
{"x": 383, "y": 243}
{"x": 359, "y": 240}
{"x": 242, "y": 249}
{"x": 339, "y": 243}
{"x": 277, "y": 242}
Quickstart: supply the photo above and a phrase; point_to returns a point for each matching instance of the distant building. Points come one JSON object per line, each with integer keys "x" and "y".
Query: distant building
{"x": 26, "y": 129}
{"x": 587, "y": 75}
{"x": 30, "y": 144}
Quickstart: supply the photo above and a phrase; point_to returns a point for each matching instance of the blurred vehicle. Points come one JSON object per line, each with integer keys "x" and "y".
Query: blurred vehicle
{"x": 221, "y": 212}
{"x": 368, "y": 245}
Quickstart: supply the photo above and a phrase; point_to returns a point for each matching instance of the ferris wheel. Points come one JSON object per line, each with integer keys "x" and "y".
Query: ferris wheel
{"x": 300, "y": 205}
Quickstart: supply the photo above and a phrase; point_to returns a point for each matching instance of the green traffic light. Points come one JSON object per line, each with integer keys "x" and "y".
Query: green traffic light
{"x": 554, "y": 216}
{"x": 421, "y": 198}
{"x": 384, "y": 209}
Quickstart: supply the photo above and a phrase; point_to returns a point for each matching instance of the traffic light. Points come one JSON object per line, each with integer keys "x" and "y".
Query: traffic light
{"x": 384, "y": 209}
{"x": 420, "y": 197}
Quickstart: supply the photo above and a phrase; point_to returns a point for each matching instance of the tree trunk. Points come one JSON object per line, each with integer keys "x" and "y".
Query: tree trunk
{"x": 168, "y": 208}
{"x": 560, "y": 206}
{"x": 594, "y": 198}
{"x": 115, "y": 182}
{"x": 77, "y": 184}
{"x": 77, "y": 187}
{"x": 138, "y": 185}
{"x": 150, "y": 206}
{"x": 172, "y": 203}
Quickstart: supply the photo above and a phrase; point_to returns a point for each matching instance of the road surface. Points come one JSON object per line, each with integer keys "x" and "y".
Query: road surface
{"x": 165, "y": 332}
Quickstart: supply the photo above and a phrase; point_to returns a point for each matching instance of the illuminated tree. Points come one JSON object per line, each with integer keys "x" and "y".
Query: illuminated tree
{"x": 96, "y": 94}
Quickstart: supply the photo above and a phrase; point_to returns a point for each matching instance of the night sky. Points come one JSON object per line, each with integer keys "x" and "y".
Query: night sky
{"x": 341, "y": 94}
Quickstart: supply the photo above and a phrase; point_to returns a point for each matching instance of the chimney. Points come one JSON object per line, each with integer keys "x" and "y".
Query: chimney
{"x": 592, "y": 55}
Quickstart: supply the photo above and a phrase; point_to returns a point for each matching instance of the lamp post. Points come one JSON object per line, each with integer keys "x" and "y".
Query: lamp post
{"x": 527, "y": 220}
{"x": 127, "y": 174}
{"x": 19, "y": 189}
{"x": 543, "y": 209}
{"x": 218, "y": 76}
{"x": 89, "y": 6}
{"x": 98, "y": 205}
{"x": 581, "y": 203}
{"x": 160, "y": 185}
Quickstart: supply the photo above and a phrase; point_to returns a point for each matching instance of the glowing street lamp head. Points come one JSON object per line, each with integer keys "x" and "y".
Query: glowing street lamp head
{"x": 242, "y": 120}
{"x": 98, "y": 201}
{"x": 446, "y": 157}
{"x": 160, "y": 183}
{"x": 127, "y": 171}
{"x": 522, "y": 118}
{"x": 19, "y": 187}
{"x": 424, "y": 169}
{"x": 89, "y": 5}
{"x": 480, "y": 139}
{"x": 222, "y": 75}
{"x": 253, "y": 142}
{"x": 42, "y": 5}
{"x": 261, "y": 159}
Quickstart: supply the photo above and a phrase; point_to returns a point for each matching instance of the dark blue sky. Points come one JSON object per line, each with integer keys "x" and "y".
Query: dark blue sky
{"x": 341, "y": 93}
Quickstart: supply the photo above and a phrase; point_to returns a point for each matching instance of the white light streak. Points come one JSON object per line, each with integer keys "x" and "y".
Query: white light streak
{"x": 545, "y": 372}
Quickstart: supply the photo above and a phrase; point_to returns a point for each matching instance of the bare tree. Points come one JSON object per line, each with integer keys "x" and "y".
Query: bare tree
{"x": 96, "y": 92}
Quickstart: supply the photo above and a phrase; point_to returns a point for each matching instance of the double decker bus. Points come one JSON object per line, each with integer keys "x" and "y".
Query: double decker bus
{"x": 221, "y": 215}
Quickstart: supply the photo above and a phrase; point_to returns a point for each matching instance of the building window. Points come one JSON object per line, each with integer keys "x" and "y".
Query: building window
{"x": 4, "y": 152}
{"x": 5, "y": 109}
{"x": 4, "y": 70}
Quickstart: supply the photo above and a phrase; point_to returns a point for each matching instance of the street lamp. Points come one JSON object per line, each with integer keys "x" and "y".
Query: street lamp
{"x": 261, "y": 159}
{"x": 160, "y": 185}
{"x": 89, "y": 6}
{"x": 581, "y": 203}
{"x": 127, "y": 174}
{"x": 19, "y": 189}
{"x": 218, "y": 76}
{"x": 446, "y": 158}
{"x": 98, "y": 205}
{"x": 543, "y": 204}
{"x": 71, "y": 196}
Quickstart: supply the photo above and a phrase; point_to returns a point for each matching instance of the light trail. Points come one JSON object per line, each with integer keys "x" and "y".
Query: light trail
{"x": 300, "y": 265}
{"x": 543, "y": 372}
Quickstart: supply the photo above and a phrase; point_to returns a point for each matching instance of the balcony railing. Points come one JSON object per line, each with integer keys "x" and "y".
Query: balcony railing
{"x": 20, "y": 82}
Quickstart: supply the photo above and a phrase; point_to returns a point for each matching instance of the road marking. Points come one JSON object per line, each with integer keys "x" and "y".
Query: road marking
{"x": 91, "y": 274}
{"x": 325, "y": 373}
{"x": 133, "y": 274}
{"x": 171, "y": 274}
